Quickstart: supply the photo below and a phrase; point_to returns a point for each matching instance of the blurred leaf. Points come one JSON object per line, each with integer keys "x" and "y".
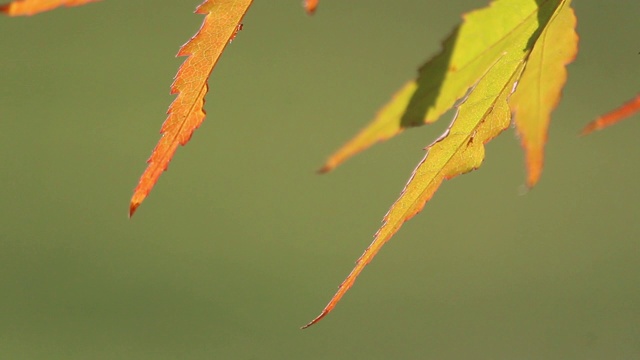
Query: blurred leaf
{"x": 613, "y": 116}
{"x": 310, "y": 6}
{"x": 222, "y": 22}
{"x": 32, "y": 7}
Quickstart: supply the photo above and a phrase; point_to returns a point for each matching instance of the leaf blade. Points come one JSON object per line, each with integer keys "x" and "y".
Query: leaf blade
{"x": 483, "y": 115}
{"x": 466, "y": 53}
{"x": 32, "y": 7}
{"x": 447, "y": 157}
{"x": 186, "y": 113}
{"x": 614, "y": 116}
{"x": 540, "y": 88}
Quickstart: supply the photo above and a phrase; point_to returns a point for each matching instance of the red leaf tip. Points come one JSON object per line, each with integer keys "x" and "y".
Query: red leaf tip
{"x": 132, "y": 208}
{"x": 310, "y": 6}
{"x": 318, "y": 318}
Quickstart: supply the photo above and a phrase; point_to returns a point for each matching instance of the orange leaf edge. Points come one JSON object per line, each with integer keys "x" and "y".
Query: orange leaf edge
{"x": 33, "y": 7}
{"x": 175, "y": 130}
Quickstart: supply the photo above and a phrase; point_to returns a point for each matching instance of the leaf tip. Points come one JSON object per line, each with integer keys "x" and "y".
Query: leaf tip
{"x": 138, "y": 197}
{"x": 588, "y": 129}
{"x": 310, "y": 6}
{"x": 629, "y": 108}
{"x": 315, "y": 321}
{"x": 333, "y": 162}
{"x": 324, "y": 169}
{"x": 133, "y": 206}
{"x": 534, "y": 177}
{"x": 535, "y": 163}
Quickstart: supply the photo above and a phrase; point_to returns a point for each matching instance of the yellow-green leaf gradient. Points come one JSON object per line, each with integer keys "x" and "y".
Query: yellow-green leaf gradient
{"x": 487, "y": 53}
{"x": 467, "y": 52}
{"x": 540, "y": 87}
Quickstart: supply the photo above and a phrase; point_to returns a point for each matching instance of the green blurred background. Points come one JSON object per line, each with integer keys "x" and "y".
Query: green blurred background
{"x": 241, "y": 243}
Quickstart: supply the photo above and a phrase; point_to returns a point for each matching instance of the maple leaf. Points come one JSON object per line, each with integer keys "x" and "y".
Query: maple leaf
{"x": 539, "y": 88}
{"x": 487, "y": 53}
{"x": 444, "y": 79}
{"x": 311, "y": 6}
{"x": 614, "y": 116}
{"x": 221, "y": 23}
{"x": 32, "y": 7}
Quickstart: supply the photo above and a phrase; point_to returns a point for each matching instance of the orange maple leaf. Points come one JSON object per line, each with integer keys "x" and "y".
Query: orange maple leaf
{"x": 186, "y": 113}
{"x": 32, "y": 7}
{"x": 310, "y": 6}
{"x": 613, "y": 116}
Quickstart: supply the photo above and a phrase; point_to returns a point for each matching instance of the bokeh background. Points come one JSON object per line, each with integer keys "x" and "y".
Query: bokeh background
{"x": 241, "y": 243}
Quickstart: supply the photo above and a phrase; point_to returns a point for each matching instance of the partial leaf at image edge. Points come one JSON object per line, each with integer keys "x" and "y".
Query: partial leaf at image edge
{"x": 186, "y": 113}
{"x": 614, "y": 116}
{"x": 32, "y": 7}
{"x": 481, "y": 116}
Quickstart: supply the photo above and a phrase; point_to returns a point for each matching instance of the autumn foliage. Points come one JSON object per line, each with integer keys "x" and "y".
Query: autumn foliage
{"x": 503, "y": 64}
{"x": 221, "y": 23}
{"x": 513, "y": 59}
{"x": 32, "y": 7}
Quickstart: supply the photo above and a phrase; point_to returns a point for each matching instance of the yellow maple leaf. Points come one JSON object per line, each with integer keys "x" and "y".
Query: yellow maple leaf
{"x": 487, "y": 53}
